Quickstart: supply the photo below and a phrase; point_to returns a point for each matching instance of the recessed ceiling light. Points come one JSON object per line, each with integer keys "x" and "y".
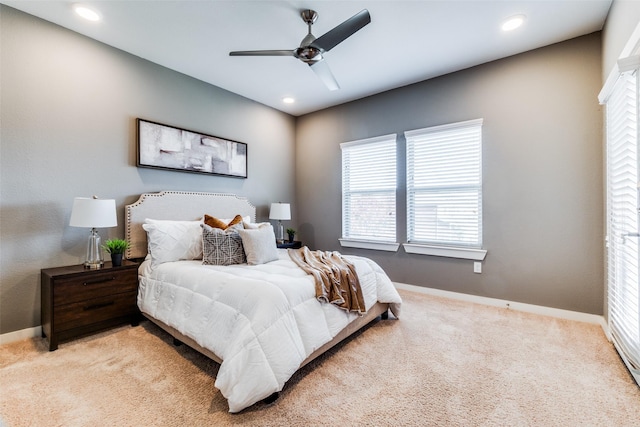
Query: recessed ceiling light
{"x": 513, "y": 22}
{"x": 288, "y": 100}
{"x": 86, "y": 12}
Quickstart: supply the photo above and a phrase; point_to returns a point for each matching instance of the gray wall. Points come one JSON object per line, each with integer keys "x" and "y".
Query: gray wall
{"x": 68, "y": 110}
{"x": 542, "y": 167}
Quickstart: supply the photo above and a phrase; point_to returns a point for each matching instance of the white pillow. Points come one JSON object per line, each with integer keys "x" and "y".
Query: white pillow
{"x": 259, "y": 244}
{"x": 251, "y": 225}
{"x": 173, "y": 240}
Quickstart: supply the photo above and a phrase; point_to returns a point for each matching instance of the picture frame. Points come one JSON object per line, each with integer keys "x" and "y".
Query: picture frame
{"x": 168, "y": 147}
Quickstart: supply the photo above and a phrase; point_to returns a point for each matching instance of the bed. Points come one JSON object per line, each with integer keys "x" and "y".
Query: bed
{"x": 261, "y": 321}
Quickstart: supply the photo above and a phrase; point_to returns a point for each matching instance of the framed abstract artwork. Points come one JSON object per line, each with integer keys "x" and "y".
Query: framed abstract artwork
{"x": 167, "y": 147}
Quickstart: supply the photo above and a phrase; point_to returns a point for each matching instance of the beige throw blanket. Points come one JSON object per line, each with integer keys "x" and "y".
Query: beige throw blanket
{"x": 335, "y": 278}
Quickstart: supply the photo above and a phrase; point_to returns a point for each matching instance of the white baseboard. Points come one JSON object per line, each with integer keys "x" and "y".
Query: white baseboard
{"x": 518, "y": 306}
{"x": 23, "y": 334}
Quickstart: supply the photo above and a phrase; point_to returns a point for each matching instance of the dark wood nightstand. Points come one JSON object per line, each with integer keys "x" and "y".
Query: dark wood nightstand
{"x": 289, "y": 245}
{"x": 76, "y": 301}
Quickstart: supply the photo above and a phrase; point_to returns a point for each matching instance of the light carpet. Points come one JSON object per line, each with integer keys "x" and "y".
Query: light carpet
{"x": 444, "y": 363}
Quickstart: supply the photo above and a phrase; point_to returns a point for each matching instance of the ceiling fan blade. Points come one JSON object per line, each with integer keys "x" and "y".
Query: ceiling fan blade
{"x": 340, "y": 33}
{"x": 322, "y": 70}
{"x": 261, "y": 53}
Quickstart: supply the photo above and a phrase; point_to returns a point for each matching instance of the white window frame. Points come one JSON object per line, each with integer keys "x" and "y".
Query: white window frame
{"x": 622, "y": 100}
{"x": 443, "y": 247}
{"x": 386, "y": 241}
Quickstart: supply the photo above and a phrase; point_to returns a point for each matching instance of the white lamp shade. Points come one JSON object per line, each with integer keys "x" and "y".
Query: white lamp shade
{"x": 93, "y": 213}
{"x": 280, "y": 211}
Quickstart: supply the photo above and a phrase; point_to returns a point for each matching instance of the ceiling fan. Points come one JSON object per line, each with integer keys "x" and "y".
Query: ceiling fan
{"x": 312, "y": 48}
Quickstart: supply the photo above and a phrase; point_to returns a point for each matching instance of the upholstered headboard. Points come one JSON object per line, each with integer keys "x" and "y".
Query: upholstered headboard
{"x": 178, "y": 205}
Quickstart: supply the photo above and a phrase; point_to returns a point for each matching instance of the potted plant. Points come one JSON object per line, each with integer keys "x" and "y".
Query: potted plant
{"x": 116, "y": 248}
{"x": 291, "y": 233}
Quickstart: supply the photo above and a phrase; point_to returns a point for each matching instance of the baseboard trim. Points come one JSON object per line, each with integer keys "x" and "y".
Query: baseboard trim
{"x": 518, "y": 306}
{"x": 22, "y": 334}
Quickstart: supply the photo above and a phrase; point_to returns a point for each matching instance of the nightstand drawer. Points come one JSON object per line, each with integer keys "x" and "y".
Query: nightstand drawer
{"x": 94, "y": 285}
{"x": 82, "y": 313}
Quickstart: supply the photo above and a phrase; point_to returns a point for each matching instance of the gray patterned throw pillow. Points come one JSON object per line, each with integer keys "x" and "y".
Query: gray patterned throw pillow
{"x": 221, "y": 247}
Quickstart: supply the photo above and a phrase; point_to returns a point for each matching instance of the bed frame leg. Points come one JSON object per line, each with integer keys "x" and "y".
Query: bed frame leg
{"x": 385, "y": 315}
{"x": 177, "y": 342}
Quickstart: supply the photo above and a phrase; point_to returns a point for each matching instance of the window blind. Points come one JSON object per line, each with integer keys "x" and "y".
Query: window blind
{"x": 369, "y": 189}
{"x": 622, "y": 219}
{"x": 444, "y": 185}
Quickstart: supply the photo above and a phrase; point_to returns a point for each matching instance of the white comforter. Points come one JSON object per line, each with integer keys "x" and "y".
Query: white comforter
{"x": 262, "y": 320}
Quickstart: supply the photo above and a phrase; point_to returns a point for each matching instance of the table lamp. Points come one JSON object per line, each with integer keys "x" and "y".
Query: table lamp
{"x": 280, "y": 211}
{"x": 93, "y": 213}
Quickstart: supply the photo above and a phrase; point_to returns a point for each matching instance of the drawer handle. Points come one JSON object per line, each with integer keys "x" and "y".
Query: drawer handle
{"x": 94, "y": 281}
{"x": 97, "y": 306}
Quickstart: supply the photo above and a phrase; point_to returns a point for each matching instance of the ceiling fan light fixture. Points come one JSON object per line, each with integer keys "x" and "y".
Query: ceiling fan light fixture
{"x": 308, "y": 54}
{"x": 513, "y": 22}
{"x": 86, "y": 12}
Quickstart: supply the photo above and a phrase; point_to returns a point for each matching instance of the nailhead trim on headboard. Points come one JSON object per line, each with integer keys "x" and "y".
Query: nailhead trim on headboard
{"x": 178, "y": 205}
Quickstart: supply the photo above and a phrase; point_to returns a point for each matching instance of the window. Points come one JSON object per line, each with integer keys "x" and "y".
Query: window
{"x": 369, "y": 193}
{"x": 444, "y": 190}
{"x": 623, "y": 283}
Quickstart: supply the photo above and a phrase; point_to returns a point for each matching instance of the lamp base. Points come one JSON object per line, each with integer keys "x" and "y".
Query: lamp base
{"x": 94, "y": 253}
{"x": 94, "y": 265}
{"x": 280, "y": 237}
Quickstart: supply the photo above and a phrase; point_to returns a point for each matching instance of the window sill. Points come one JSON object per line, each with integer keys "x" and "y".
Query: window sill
{"x": 445, "y": 251}
{"x": 369, "y": 244}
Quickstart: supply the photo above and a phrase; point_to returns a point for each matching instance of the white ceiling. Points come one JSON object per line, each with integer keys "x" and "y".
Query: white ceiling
{"x": 406, "y": 41}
